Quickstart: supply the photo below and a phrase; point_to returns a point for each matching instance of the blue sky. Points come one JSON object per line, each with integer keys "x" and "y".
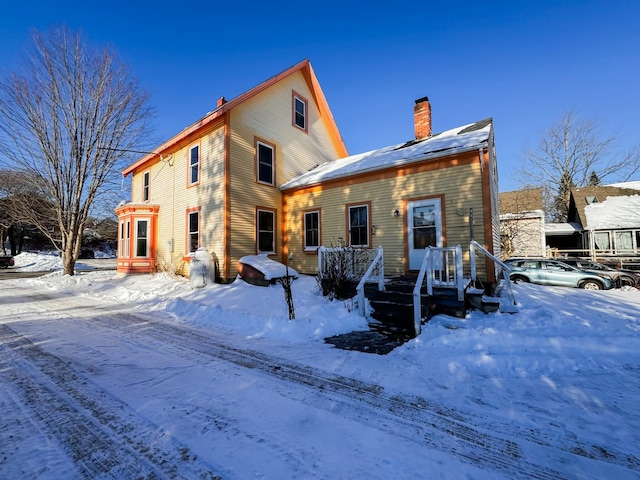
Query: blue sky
{"x": 523, "y": 63}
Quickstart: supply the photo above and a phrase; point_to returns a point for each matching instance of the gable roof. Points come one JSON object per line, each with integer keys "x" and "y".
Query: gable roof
{"x": 520, "y": 201}
{"x": 581, "y": 197}
{"x": 461, "y": 139}
{"x": 303, "y": 67}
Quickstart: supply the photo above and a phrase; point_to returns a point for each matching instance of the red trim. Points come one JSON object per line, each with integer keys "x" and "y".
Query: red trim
{"x": 129, "y": 214}
{"x": 275, "y": 229}
{"x": 348, "y": 223}
{"x": 256, "y": 141}
{"x": 304, "y": 67}
{"x": 295, "y": 95}
{"x": 312, "y": 250}
{"x": 189, "y": 148}
{"x": 187, "y": 233}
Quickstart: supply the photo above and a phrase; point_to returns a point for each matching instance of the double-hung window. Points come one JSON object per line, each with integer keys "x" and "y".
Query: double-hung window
{"x": 311, "y": 230}
{"x": 300, "y": 112}
{"x": 145, "y": 187}
{"x": 124, "y": 238}
{"x": 265, "y": 162}
{"x": 194, "y": 164}
{"x": 193, "y": 229}
{"x": 265, "y": 234}
{"x": 142, "y": 238}
{"x": 359, "y": 225}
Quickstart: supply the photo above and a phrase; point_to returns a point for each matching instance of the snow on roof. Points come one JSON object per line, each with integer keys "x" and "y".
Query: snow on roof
{"x": 632, "y": 185}
{"x": 551, "y": 229}
{"x": 270, "y": 268}
{"x": 460, "y": 139}
{"x": 614, "y": 213}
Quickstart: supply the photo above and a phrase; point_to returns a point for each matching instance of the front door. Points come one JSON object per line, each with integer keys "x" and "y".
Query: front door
{"x": 424, "y": 229}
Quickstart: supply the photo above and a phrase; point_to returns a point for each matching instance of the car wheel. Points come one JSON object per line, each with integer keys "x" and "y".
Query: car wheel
{"x": 591, "y": 285}
{"x": 626, "y": 281}
{"x": 519, "y": 278}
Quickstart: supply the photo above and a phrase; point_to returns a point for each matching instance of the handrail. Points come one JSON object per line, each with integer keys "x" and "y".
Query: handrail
{"x": 505, "y": 270}
{"x": 449, "y": 276}
{"x": 377, "y": 261}
{"x": 417, "y": 303}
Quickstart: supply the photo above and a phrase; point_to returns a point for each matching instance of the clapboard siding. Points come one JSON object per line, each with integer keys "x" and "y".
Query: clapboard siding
{"x": 168, "y": 189}
{"x": 459, "y": 186}
{"x": 268, "y": 117}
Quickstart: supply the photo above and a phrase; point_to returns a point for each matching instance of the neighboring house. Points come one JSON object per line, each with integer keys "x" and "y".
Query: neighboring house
{"x": 268, "y": 173}
{"x": 522, "y": 225}
{"x": 609, "y": 217}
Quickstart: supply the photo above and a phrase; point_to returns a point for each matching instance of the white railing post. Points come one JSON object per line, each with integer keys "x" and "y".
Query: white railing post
{"x": 417, "y": 300}
{"x": 505, "y": 269}
{"x": 472, "y": 261}
{"x": 377, "y": 261}
{"x": 381, "y": 271}
{"x": 459, "y": 272}
{"x": 321, "y": 251}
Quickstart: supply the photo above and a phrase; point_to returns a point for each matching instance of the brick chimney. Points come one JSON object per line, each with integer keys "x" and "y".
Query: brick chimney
{"x": 221, "y": 101}
{"x": 422, "y": 118}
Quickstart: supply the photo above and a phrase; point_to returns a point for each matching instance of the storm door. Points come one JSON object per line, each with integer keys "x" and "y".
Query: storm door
{"x": 424, "y": 218}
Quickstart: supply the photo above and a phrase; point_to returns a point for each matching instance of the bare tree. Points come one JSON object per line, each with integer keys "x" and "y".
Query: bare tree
{"x": 572, "y": 153}
{"x": 68, "y": 119}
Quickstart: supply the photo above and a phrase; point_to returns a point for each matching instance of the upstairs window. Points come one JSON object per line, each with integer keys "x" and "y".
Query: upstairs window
{"x": 194, "y": 165}
{"x": 265, "y": 163}
{"x": 359, "y": 225}
{"x": 145, "y": 187}
{"x": 299, "y": 112}
{"x": 193, "y": 230}
{"x": 311, "y": 231}
{"x": 265, "y": 226}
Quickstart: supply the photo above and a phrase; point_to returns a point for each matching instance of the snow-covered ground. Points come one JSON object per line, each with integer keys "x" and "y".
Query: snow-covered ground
{"x": 549, "y": 392}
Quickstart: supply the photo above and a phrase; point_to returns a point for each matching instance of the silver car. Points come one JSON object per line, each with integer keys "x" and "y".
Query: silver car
{"x": 544, "y": 271}
{"x": 620, "y": 277}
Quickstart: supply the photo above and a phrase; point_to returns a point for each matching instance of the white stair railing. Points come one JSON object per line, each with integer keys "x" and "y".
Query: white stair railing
{"x": 442, "y": 267}
{"x": 504, "y": 269}
{"x": 377, "y": 266}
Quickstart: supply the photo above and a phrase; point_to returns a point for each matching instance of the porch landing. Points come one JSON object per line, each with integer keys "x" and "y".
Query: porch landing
{"x": 367, "y": 341}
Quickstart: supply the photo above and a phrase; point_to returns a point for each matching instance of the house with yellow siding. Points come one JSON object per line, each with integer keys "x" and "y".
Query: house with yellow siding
{"x": 268, "y": 173}
{"x": 439, "y": 190}
{"x": 215, "y": 184}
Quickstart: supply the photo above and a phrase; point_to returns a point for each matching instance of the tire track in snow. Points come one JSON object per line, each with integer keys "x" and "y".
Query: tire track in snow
{"x": 102, "y": 435}
{"x": 410, "y": 417}
{"x": 353, "y": 399}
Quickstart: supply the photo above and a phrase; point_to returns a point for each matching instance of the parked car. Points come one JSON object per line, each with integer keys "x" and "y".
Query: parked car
{"x": 545, "y": 271}
{"x": 620, "y": 277}
{"x": 6, "y": 261}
